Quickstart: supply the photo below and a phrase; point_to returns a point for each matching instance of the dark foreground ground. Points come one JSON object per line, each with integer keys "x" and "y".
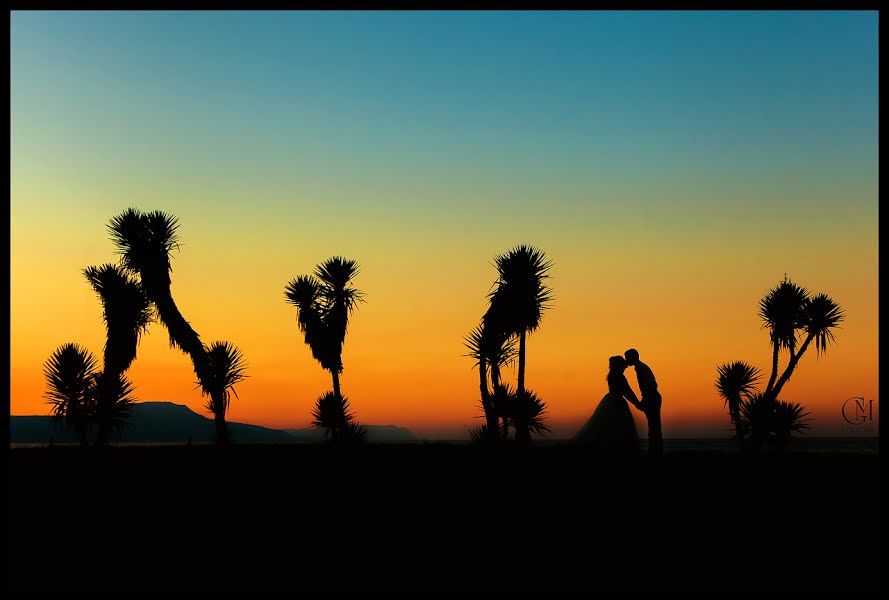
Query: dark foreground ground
{"x": 439, "y": 517}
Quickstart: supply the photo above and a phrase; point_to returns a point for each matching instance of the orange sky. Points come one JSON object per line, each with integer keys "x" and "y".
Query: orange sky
{"x": 671, "y": 179}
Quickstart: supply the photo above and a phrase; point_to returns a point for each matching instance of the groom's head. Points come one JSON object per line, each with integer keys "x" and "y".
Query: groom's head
{"x": 632, "y": 357}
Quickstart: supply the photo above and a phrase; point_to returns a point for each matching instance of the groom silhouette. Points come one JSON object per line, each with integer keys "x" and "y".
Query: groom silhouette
{"x": 650, "y": 403}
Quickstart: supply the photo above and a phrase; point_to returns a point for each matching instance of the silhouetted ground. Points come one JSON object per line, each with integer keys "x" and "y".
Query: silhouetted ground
{"x": 439, "y": 517}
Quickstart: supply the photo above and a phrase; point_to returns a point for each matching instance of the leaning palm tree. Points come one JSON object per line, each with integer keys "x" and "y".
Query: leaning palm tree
{"x": 144, "y": 242}
{"x": 520, "y": 298}
{"x": 324, "y": 301}
{"x": 127, "y": 312}
{"x": 70, "y": 375}
{"x": 737, "y": 381}
{"x": 226, "y": 369}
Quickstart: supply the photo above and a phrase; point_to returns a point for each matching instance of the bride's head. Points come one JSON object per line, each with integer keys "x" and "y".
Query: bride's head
{"x": 617, "y": 364}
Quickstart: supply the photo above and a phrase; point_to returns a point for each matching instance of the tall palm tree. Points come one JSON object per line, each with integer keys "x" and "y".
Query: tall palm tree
{"x": 70, "y": 373}
{"x": 519, "y": 300}
{"x": 127, "y": 313}
{"x": 737, "y": 381}
{"x": 324, "y": 302}
{"x": 226, "y": 369}
{"x": 144, "y": 242}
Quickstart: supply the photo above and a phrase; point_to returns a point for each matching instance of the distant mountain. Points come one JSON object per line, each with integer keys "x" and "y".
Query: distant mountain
{"x": 169, "y": 422}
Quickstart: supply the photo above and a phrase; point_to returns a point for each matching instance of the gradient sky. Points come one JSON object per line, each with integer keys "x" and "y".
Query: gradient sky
{"x": 673, "y": 165}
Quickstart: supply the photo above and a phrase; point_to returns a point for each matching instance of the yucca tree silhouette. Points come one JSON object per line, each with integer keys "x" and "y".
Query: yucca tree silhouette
{"x": 127, "y": 313}
{"x": 820, "y": 316}
{"x": 736, "y": 382}
{"x": 493, "y": 347}
{"x": 70, "y": 373}
{"x": 324, "y": 301}
{"x": 526, "y": 412}
{"x": 773, "y": 421}
{"x": 226, "y": 368}
{"x": 790, "y": 313}
{"x": 333, "y": 414}
{"x": 144, "y": 242}
{"x": 781, "y": 311}
{"x": 518, "y": 302}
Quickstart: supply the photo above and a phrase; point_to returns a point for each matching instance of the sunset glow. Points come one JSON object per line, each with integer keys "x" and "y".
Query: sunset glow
{"x": 673, "y": 166}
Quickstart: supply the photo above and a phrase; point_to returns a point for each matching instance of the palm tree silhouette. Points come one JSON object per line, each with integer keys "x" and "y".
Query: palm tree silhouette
{"x": 524, "y": 411}
{"x": 736, "y": 382}
{"x": 226, "y": 369}
{"x": 820, "y": 316}
{"x": 144, "y": 242}
{"x": 324, "y": 301}
{"x": 790, "y": 313}
{"x": 333, "y": 414}
{"x": 127, "y": 313}
{"x": 113, "y": 404}
{"x": 493, "y": 347}
{"x": 772, "y": 421}
{"x": 781, "y": 311}
{"x": 70, "y": 373}
{"x": 518, "y": 302}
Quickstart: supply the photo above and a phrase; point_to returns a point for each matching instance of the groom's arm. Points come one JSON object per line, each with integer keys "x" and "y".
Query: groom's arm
{"x": 630, "y": 395}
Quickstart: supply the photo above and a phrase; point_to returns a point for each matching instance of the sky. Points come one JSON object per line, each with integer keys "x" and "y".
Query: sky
{"x": 674, "y": 166}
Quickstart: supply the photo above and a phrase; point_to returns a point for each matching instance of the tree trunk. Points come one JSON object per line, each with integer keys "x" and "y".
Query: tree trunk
{"x": 336, "y": 382}
{"x": 522, "y": 434}
{"x": 521, "y": 389}
{"x": 490, "y": 415}
{"x": 774, "y": 367}
{"x": 794, "y": 360}
{"x": 736, "y": 417}
{"x": 221, "y": 430}
{"x": 495, "y": 384}
{"x": 181, "y": 333}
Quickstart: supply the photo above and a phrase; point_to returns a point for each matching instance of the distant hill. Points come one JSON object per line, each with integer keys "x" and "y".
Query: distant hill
{"x": 169, "y": 422}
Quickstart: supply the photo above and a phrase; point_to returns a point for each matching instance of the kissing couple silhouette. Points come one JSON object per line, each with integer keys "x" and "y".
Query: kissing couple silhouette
{"x": 611, "y": 428}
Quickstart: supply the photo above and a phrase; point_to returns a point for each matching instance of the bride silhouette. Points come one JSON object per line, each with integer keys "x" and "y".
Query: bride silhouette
{"x": 611, "y": 428}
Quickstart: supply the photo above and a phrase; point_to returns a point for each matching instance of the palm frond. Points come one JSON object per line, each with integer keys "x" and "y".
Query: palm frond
{"x": 114, "y": 401}
{"x": 226, "y": 368}
{"x": 126, "y": 311}
{"x": 820, "y": 316}
{"x": 331, "y": 413}
{"x": 337, "y": 271}
{"x": 70, "y": 375}
{"x": 529, "y": 412}
{"x": 521, "y": 295}
{"x": 498, "y": 347}
{"x": 782, "y": 313}
{"x": 737, "y": 380}
{"x": 482, "y": 435}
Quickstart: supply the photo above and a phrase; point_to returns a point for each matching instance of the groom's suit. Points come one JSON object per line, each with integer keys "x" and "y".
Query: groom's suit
{"x": 651, "y": 406}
